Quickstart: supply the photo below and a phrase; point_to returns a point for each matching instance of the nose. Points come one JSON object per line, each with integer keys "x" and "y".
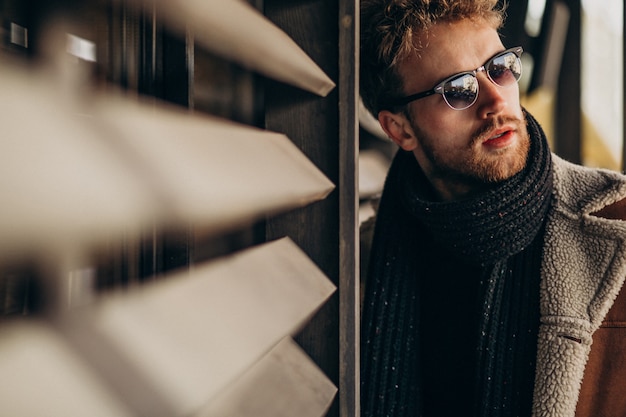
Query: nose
{"x": 491, "y": 99}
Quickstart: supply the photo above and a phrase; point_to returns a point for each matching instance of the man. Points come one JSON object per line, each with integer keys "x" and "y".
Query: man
{"x": 496, "y": 272}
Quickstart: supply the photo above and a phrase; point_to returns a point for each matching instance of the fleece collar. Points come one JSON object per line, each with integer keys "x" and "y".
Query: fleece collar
{"x": 583, "y": 269}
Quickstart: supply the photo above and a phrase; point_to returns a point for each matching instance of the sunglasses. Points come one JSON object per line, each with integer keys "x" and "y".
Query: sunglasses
{"x": 460, "y": 90}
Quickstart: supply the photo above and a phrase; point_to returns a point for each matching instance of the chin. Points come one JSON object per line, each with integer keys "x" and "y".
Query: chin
{"x": 497, "y": 168}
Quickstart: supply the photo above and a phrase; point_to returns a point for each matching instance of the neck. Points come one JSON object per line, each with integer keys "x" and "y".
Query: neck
{"x": 454, "y": 189}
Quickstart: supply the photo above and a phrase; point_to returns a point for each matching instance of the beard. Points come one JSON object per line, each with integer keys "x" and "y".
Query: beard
{"x": 472, "y": 165}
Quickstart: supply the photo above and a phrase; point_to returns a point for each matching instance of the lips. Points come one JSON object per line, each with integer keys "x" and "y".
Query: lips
{"x": 499, "y": 132}
{"x": 499, "y": 138}
{"x": 496, "y": 134}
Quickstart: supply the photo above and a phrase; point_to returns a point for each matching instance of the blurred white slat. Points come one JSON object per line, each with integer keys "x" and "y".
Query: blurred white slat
{"x": 236, "y": 31}
{"x": 41, "y": 376}
{"x": 191, "y": 335}
{"x": 59, "y": 181}
{"x": 214, "y": 173}
{"x": 373, "y": 167}
{"x": 284, "y": 383}
{"x": 370, "y": 123}
{"x": 75, "y": 176}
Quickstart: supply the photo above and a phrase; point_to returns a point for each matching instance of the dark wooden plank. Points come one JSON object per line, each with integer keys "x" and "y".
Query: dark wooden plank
{"x": 514, "y": 33}
{"x": 568, "y": 111}
{"x": 312, "y": 123}
{"x": 349, "y": 315}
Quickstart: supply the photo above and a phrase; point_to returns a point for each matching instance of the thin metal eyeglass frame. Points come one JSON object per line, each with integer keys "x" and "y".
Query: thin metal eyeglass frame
{"x": 438, "y": 89}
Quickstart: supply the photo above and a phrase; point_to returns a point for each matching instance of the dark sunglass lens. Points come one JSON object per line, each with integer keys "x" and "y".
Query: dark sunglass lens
{"x": 505, "y": 69}
{"x": 461, "y": 92}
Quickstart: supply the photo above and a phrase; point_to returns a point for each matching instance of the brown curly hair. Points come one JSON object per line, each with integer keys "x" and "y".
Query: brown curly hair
{"x": 387, "y": 34}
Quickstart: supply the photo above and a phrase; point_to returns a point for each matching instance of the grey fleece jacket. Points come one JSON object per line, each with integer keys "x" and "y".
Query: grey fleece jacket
{"x": 583, "y": 270}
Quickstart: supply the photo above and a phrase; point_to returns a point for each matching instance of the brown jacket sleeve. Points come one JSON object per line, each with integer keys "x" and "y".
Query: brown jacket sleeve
{"x": 603, "y": 391}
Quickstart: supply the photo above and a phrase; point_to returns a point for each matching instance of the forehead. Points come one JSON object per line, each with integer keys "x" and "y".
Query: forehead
{"x": 448, "y": 48}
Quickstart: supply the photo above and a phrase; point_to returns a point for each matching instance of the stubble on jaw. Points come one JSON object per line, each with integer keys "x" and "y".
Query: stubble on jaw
{"x": 479, "y": 170}
{"x": 499, "y": 166}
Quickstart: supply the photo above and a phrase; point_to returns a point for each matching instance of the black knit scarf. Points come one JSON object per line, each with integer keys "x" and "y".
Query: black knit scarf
{"x": 498, "y": 232}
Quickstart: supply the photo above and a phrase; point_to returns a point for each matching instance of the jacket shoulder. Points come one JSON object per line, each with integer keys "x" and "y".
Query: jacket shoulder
{"x": 594, "y": 191}
{"x": 615, "y": 211}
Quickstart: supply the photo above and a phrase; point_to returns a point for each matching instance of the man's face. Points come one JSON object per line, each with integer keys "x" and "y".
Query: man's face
{"x": 462, "y": 150}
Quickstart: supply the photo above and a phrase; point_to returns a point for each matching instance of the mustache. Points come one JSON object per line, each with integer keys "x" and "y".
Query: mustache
{"x": 481, "y": 134}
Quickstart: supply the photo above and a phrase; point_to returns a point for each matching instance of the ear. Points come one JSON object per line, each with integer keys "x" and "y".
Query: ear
{"x": 398, "y": 128}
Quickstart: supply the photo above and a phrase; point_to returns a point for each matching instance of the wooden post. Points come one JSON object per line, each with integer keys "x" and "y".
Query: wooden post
{"x": 349, "y": 306}
{"x": 568, "y": 124}
{"x": 313, "y": 124}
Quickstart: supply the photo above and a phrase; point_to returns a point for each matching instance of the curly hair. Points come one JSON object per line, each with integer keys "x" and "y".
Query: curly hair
{"x": 387, "y": 37}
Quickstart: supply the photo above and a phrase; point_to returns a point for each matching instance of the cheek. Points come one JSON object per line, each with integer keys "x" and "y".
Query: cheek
{"x": 433, "y": 117}
{"x": 513, "y": 100}
{"x": 444, "y": 138}
{"x": 448, "y": 127}
{"x": 442, "y": 127}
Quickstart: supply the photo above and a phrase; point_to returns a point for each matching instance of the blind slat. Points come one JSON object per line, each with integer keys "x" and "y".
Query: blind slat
{"x": 284, "y": 383}
{"x": 236, "y": 31}
{"x": 42, "y": 376}
{"x": 211, "y": 172}
{"x": 79, "y": 176}
{"x": 189, "y": 336}
{"x": 59, "y": 181}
